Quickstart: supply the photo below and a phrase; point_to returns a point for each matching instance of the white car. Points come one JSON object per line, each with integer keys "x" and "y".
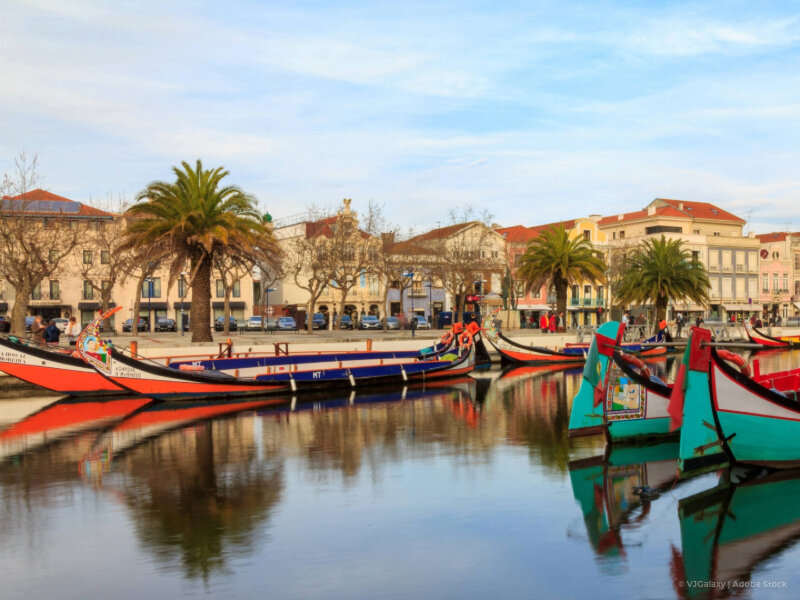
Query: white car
{"x": 422, "y": 322}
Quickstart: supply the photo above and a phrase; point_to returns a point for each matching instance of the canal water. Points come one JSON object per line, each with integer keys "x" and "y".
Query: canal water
{"x": 470, "y": 489}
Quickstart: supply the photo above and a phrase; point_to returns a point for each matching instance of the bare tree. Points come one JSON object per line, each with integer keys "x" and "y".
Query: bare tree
{"x": 231, "y": 270}
{"x": 307, "y": 263}
{"x": 35, "y": 239}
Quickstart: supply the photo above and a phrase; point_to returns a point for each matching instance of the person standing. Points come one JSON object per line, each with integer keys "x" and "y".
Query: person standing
{"x": 552, "y": 323}
{"x": 37, "y": 330}
{"x": 543, "y": 324}
{"x": 625, "y": 319}
{"x": 73, "y": 330}
{"x": 413, "y": 325}
{"x": 679, "y": 324}
{"x": 561, "y": 322}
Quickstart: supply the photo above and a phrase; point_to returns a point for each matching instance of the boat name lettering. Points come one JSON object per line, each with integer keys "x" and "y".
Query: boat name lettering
{"x": 11, "y": 357}
{"x": 317, "y": 374}
{"x": 126, "y": 371}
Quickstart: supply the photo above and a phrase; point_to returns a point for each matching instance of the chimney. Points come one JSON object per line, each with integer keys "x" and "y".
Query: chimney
{"x": 680, "y": 205}
{"x": 595, "y": 218}
{"x": 619, "y": 217}
{"x": 651, "y": 210}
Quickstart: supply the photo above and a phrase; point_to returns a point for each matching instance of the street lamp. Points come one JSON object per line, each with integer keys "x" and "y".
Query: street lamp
{"x": 149, "y": 281}
{"x": 183, "y": 293}
{"x": 267, "y": 309}
{"x": 430, "y": 301}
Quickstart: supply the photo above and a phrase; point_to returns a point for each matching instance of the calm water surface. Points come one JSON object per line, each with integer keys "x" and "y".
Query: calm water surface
{"x": 470, "y": 490}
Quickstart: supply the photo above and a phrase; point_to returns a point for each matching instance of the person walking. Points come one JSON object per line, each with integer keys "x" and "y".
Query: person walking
{"x": 543, "y": 323}
{"x": 679, "y": 324}
{"x": 52, "y": 333}
{"x": 561, "y": 322}
{"x": 73, "y": 330}
{"x": 37, "y": 330}
{"x": 552, "y": 323}
{"x": 413, "y": 325}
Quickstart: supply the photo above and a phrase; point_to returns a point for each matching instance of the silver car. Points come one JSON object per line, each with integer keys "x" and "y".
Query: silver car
{"x": 392, "y": 323}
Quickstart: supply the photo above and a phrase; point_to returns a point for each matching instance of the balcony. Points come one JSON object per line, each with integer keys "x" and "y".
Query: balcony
{"x": 740, "y": 268}
{"x": 713, "y": 268}
{"x": 418, "y": 294}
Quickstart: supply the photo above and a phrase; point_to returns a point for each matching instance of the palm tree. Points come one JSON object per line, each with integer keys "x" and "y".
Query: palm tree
{"x": 196, "y": 220}
{"x": 659, "y": 272}
{"x": 555, "y": 260}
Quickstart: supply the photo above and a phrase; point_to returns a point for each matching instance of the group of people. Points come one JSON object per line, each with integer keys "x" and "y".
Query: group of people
{"x": 550, "y": 322}
{"x": 51, "y": 334}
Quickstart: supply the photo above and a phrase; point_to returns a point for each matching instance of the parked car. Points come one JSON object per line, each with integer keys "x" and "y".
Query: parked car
{"x": 141, "y": 326}
{"x": 28, "y": 323}
{"x": 271, "y": 324}
{"x": 219, "y": 324}
{"x": 164, "y": 324}
{"x": 392, "y": 323}
{"x": 254, "y": 323}
{"x": 422, "y": 322}
{"x": 345, "y": 322}
{"x": 318, "y": 321}
{"x": 5, "y": 324}
{"x": 61, "y": 324}
{"x": 287, "y": 324}
{"x": 370, "y": 322}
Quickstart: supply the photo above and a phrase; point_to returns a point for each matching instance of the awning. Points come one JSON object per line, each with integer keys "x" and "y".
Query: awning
{"x": 533, "y": 307}
{"x": 742, "y": 306}
{"x": 796, "y": 305}
{"x": 144, "y": 305}
{"x": 231, "y": 304}
{"x": 186, "y": 305}
{"x": 93, "y": 305}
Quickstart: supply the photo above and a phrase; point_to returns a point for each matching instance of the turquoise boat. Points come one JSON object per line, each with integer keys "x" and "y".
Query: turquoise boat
{"x": 624, "y": 402}
{"x": 614, "y": 490}
{"x": 586, "y": 417}
{"x": 749, "y": 420}
{"x": 729, "y": 531}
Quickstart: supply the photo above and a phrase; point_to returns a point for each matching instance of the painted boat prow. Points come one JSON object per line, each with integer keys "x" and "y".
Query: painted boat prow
{"x": 586, "y": 418}
{"x": 700, "y": 447}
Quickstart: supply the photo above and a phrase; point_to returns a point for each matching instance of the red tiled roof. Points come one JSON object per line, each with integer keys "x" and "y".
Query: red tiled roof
{"x": 777, "y": 236}
{"x": 521, "y": 234}
{"x": 702, "y": 210}
{"x": 661, "y": 211}
{"x": 42, "y": 195}
{"x": 441, "y": 233}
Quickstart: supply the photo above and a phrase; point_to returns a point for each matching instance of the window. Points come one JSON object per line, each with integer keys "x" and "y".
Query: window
{"x": 696, "y": 231}
{"x": 785, "y": 287}
{"x": 752, "y": 262}
{"x": 183, "y": 287}
{"x": 662, "y": 229}
{"x": 622, "y": 235}
{"x": 151, "y": 288}
{"x": 220, "y": 289}
{"x": 55, "y": 292}
{"x": 797, "y": 288}
{"x": 714, "y": 287}
{"x": 752, "y": 287}
{"x": 237, "y": 289}
{"x": 87, "y": 257}
{"x": 105, "y": 284}
{"x": 797, "y": 262}
{"x": 614, "y": 235}
{"x": 601, "y": 294}
{"x": 726, "y": 260}
{"x": 727, "y": 291}
{"x": 36, "y": 292}
{"x": 587, "y": 234}
{"x": 765, "y": 283}
{"x": 741, "y": 285}
{"x": 716, "y": 233}
{"x": 695, "y": 256}
{"x": 713, "y": 260}
{"x": 73, "y": 224}
{"x": 53, "y": 256}
{"x": 775, "y": 282}
{"x": 105, "y": 257}
{"x": 587, "y": 292}
{"x": 88, "y": 290}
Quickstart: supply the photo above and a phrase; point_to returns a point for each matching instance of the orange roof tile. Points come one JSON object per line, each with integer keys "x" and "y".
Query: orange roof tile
{"x": 702, "y": 210}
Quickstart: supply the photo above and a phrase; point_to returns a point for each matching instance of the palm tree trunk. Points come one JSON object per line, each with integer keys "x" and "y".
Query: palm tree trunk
{"x": 561, "y": 300}
{"x": 200, "y": 314}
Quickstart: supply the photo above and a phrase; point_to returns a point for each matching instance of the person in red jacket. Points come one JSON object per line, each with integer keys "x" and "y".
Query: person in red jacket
{"x": 552, "y": 322}
{"x": 543, "y": 322}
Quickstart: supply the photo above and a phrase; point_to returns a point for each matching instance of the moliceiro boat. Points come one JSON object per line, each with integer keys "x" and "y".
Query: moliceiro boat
{"x": 725, "y": 413}
{"x": 757, "y": 336}
{"x": 54, "y": 369}
{"x": 617, "y": 395}
{"x": 512, "y": 352}
{"x": 154, "y": 380}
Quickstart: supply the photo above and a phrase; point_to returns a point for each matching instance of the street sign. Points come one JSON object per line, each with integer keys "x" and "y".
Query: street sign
{"x": 270, "y": 310}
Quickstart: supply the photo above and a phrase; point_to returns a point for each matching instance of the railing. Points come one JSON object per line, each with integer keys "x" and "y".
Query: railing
{"x": 740, "y": 268}
{"x": 587, "y": 302}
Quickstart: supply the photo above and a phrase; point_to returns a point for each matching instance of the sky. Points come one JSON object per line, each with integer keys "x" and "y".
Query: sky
{"x": 535, "y": 111}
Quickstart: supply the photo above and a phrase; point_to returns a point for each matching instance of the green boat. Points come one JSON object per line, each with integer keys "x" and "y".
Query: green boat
{"x": 754, "y": 420}
{"x": 729, "y": 530}
{"x": 622, "y": 400}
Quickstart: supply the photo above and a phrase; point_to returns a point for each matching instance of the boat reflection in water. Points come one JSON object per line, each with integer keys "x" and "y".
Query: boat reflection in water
{"x": 616, "y": 489}
{"x": 727, "y": 532}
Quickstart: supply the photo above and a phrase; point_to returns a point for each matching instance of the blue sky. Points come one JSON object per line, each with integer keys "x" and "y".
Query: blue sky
{"x": 535, "y": 111}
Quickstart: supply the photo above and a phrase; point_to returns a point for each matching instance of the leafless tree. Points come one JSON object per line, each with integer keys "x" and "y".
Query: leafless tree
{"x": 35, "y": 241}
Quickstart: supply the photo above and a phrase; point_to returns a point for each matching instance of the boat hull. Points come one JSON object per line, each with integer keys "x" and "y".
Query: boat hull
{"x": 56, "y": 372}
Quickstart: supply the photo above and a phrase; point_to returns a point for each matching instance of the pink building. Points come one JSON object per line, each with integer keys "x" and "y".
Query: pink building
{"x": 775, "y": 272}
